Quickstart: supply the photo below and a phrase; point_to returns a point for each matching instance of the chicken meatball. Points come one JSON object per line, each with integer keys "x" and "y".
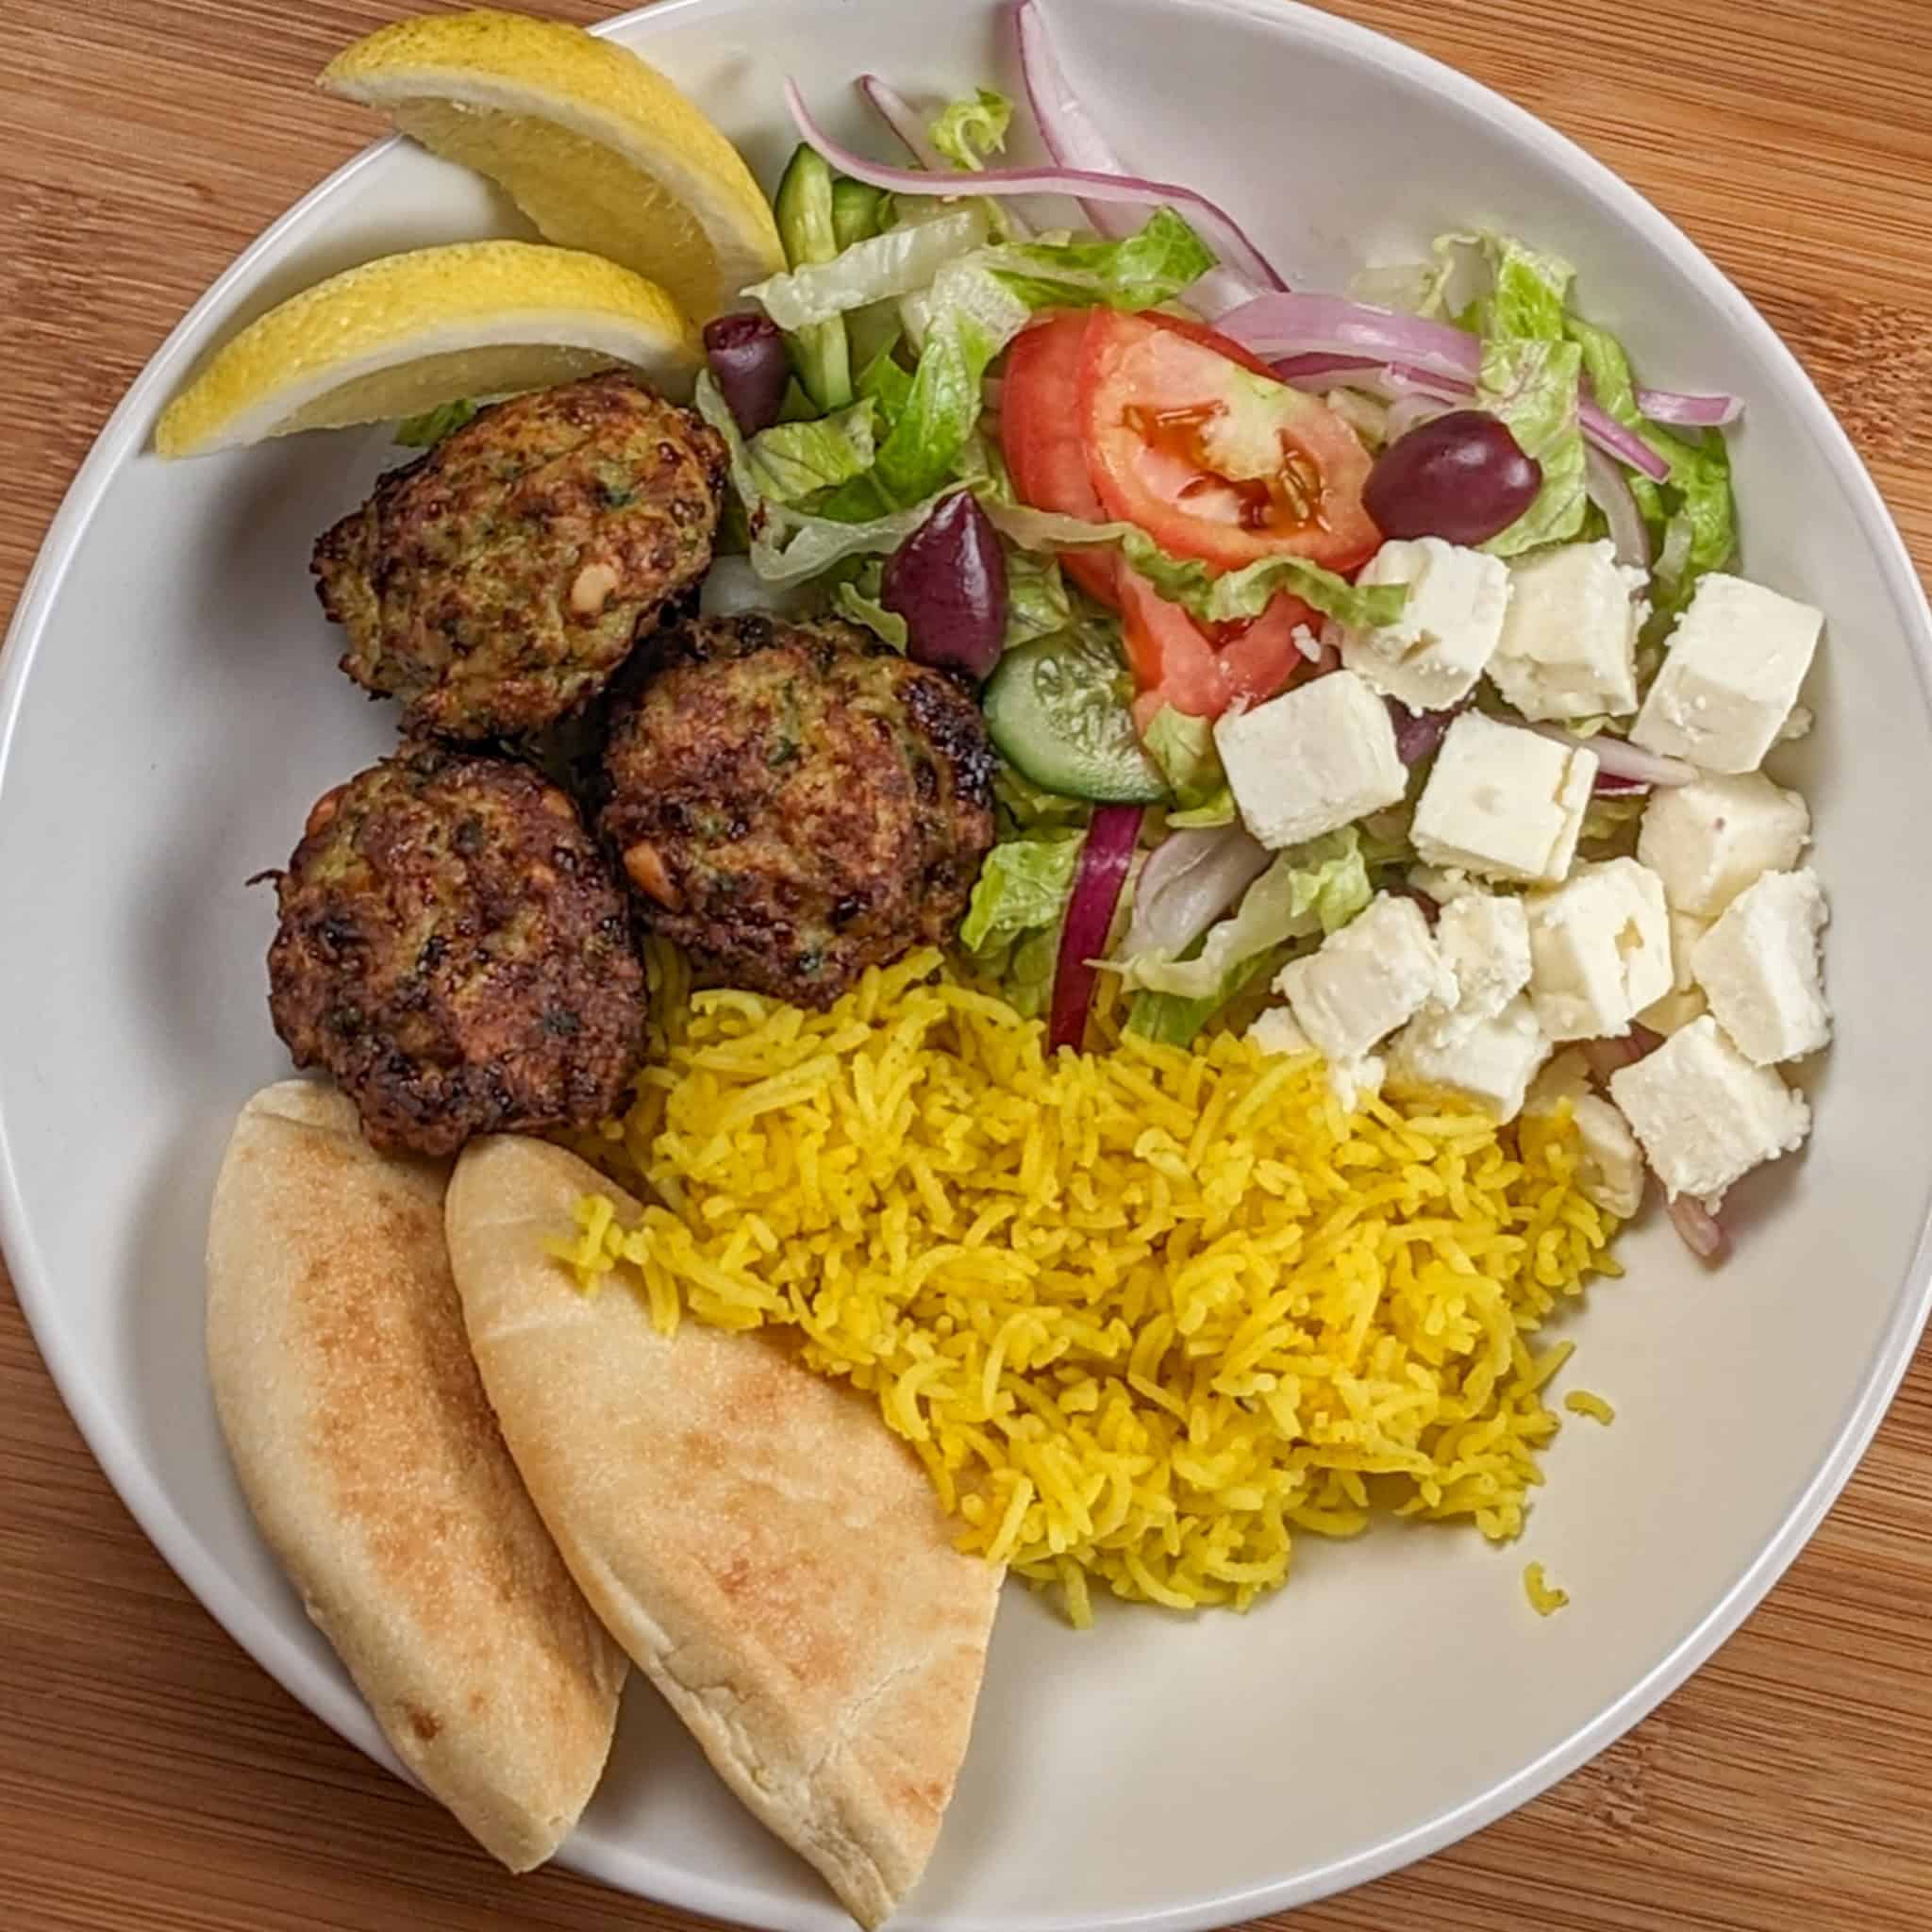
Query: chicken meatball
{"x": 796, "y": 802}
{"x": 495, "y": 584}
{"x": 456, "y": 950}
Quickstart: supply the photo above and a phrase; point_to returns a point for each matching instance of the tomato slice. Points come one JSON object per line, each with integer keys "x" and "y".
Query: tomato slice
{"x": 1259, "y": 661}
{"x": 1040, "y": 435}
{"x": 1211, "y": 458}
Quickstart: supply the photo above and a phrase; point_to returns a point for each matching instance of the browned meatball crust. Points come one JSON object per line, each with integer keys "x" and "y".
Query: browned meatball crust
{"x": 454, "y": 949}
{"x": 495, "y": 584}
{"x": 797, "y": 803}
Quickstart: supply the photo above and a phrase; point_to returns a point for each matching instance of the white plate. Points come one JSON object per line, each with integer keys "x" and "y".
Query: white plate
{"x": 171, "y": 708}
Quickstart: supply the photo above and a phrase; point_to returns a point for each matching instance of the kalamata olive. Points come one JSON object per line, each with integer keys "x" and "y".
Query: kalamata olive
{"x": 1462, "y": 478}
{"x": 948, "y": 581}
{"x": 747, "y": 357}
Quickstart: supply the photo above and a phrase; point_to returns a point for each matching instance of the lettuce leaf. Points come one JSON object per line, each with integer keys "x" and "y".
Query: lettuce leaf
{"x": 790, "y": 461}
{"x": 970, "y": 131}
{"x": 1139, "y": 271}
{"x": 1237, "y": 596}
{"x": 897, "y": 262}
{"x": 1692, "y": 515}
{"x": 1037, "y": 600}
{"x": 1170, "y": 1020}
{"x": 1012, "y": 925}
{"x": 1317, "y": 886}
{"x": 856, "y": 598}
{"x": 1531, "y": 384}
{"x": 1183, "y": 748}
{"x": 432, "y": 425}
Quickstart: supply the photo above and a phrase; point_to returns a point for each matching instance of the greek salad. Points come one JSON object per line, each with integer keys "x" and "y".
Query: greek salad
{"x": 1369, "y": 672}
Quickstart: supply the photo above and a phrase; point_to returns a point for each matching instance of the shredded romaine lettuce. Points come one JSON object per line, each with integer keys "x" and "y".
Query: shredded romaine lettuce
{"x": 877, "y": 268}
{"x": 1139, "y": 271}
{"x": 1530, "y": 378}
{"x": 792, "y": 461}
{"x": 1183, "y": 748}
{"x": 1012, "y": 927}
{"x": 1317, "y": 886}
{"x": 856, "y": 598}
{"x": 1037, "y": 600}
{"x": 973, "y": 130}
{"x": 1239, "y": 595}
{"x": 432, "y": 425}
{"x": 1691, "y": 516}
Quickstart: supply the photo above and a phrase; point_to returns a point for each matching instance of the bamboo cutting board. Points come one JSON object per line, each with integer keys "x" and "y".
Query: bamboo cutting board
{"x": 153, "y": 1780}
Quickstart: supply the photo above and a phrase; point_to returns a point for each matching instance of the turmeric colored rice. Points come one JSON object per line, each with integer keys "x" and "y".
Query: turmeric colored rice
{"x": 1144, "y": 1313}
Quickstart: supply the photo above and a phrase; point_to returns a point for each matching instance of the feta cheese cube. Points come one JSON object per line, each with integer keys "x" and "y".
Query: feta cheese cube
{"x": 1731, "y": 675}
{"x": 1432, "y": 655}
{"x": 1276, "y": 1031}
{"x": 1484, "y": 940}
{"x": 1311, "y": 761}
{"x": 1365, "y": 980}
{"x": 1708, "y": 841}
{"x": 1760, "y": 968}
{"x": 1353, "y": 1081}
{"x": 1569, "y": 645}
{"x": 1685, "y": 1000}
{"x": 1489, "y": 1061}
{"x": 1610, "y": 1163}
{"x": 1600, "y": 948}
{"x": 1704, "y": 1115}
{"x": 1504, "y": 802}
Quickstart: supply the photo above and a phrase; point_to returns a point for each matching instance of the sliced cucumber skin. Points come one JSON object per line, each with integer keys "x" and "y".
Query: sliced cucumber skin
{"x": 1036, "y": 743}
{"x": 806, "y": 230}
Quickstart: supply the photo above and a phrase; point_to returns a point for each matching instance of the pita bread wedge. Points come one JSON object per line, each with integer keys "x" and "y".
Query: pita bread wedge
{"x": 366, "y": 1447}
{"x": 762, "y": 1545}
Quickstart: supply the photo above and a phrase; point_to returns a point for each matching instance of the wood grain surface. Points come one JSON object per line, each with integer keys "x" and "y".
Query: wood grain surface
{"x": 153, "y": 1780}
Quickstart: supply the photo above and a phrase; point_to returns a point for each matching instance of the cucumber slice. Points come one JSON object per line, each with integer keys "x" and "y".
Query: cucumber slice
{"x": 856, "y": 209}
{"x": 1058, "y": 709}
{"x": 803, "y": 206}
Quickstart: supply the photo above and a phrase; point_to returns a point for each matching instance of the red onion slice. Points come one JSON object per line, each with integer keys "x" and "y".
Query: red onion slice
{"x": 1618, "y": 758}
{"x": 1298, "y": 329}
{"x": 1191, "y": 878}
{"x": 1104, "y": 857}
{"x": 899, "y": 114}
{"x": 1608, "y": 490}
{"x": 1419, "y": 734}
{"x": 1221, "y": 228}
{"x": 1695, "y": 412}
{"x": 1703, "y": 1232}
{"x": 1074, "y": 140}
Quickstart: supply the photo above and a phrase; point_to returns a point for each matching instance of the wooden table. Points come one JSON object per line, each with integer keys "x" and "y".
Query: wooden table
{"x": 153, "y": 1780}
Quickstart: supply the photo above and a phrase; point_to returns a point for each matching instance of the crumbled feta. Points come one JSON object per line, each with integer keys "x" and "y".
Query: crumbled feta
{"x": 1310, "y": 760}
{"x": 1600, "y": 948}
{"x": 1731, "y": 675}
{"x": 1685, "y": 1000}
{"x": 1441, "y": 883}
{"x": 1432, "y": 655}
{"x": 1569, "y": 645}
{"x": 1704, "y": 1115}
{"x": 1276, "y": 1031}
{"x": 1365, "y": 980}
{"x": 1760, "y": 968}
{"x": 1610, "y": 1163}
{"x": 1708, "y": 841}
{"x": 1489, "y": 1061}
{"x": 1484, "y": 940}
{"x": 1353, "y": 1081}
{"x": 1504, "y": 802}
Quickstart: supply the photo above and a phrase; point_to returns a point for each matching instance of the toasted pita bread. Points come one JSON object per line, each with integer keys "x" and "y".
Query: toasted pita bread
{"x": 366, "y": 1447}
{"x": 765, "y": 1549}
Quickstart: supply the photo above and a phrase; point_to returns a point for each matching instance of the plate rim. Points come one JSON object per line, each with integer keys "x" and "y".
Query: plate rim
{"x": 261, "y": 1636}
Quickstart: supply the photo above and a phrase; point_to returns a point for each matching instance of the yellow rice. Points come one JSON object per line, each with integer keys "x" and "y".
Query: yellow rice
{"x": 1144, "y": 1313}
{"x": 1582, "y": 1402}
{"x": 1544, "y": 1598}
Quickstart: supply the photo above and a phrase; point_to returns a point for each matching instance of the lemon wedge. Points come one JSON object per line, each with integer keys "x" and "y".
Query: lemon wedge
{"x": 411, "y": 332}
{"x": 598, "y": 149}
